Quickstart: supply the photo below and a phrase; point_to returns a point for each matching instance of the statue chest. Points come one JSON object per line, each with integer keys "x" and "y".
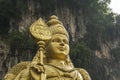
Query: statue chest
{"x": 54, "y": 73}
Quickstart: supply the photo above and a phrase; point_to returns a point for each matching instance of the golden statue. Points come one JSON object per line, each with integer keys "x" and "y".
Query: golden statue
{"x": 51, "y": 61}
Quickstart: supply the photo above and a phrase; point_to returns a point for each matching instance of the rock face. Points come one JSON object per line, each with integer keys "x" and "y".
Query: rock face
{"x": 4, "y": 50}
{"x": 106, "y": 64}
{"x": 102, "y": 67}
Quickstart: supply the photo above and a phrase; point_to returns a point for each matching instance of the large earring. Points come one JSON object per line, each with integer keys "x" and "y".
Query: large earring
{"x": 68, "y": 61}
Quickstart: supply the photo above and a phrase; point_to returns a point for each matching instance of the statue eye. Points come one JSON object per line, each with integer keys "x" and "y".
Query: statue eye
{"x": 65, "y": 41}
{"x": 56, "y": 40}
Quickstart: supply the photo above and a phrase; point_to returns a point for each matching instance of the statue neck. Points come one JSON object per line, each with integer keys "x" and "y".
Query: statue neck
{"x": 56, "y": 61}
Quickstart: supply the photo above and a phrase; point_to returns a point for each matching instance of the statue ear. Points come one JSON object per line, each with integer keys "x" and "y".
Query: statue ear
{"x": 84, "y": 74}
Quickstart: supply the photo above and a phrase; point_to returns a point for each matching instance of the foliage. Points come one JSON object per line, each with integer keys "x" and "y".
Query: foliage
{"x": 21, "y": 42}
{"x": 47, "y": 5}
{"x": 80, "y": 54}
{"x": 118, "y": 24}
{"x": 10, "y": 9}
{"x": 116, "y": 54}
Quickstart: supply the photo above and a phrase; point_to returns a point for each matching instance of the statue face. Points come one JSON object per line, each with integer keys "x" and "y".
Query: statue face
{"x": 58, "y": 47}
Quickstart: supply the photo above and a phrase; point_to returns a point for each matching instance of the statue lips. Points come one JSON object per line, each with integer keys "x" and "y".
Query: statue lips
{"x": 61, "y": 48}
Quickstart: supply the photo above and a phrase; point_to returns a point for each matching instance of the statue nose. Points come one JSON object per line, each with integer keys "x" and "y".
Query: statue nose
{"x": 62, "y": 43}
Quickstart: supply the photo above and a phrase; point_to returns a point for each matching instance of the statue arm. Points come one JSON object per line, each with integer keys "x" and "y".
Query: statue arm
{"x": 33, "y": 71}
{"x": 84, "y": 74}
{"x": 16, "y": 70}
{"x": 9, "y": 76}
{"x": 36, "y": 69}
{"x": 23, "y": 75}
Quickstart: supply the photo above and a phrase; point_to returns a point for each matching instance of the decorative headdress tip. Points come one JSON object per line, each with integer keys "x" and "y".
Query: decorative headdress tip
{"x": 56, "y": 26}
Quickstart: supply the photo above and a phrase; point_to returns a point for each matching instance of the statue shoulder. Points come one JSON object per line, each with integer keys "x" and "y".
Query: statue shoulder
{"x": 16, "y": 69}
{"x": 84, "y": 73}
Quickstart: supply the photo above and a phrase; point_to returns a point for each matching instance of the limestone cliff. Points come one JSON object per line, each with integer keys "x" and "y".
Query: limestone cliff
{"x": 102, "y": 67}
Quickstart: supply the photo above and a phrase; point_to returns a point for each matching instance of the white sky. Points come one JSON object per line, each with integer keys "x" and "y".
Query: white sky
{"x": 115, "y": 6}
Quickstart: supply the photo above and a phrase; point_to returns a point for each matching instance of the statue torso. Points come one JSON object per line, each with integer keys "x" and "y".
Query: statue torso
{"x": 57, "y": 73}
{"x": 53, "y": 72}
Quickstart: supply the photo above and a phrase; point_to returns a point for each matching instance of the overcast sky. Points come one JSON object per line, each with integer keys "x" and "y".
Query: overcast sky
{"x": 115, "y": 5}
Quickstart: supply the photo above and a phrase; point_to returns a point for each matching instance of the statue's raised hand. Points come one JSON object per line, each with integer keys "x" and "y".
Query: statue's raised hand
{"x": 36, "y": 69}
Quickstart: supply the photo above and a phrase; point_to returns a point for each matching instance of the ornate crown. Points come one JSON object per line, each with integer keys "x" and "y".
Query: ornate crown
{"x": 42, "y": 31}
{"x": 56, "y": 26}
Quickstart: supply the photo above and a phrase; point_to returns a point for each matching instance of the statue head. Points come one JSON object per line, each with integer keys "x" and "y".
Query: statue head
{"x": 58, "y": 45}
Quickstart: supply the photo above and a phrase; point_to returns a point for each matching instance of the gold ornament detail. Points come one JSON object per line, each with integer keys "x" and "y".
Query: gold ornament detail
{"x": 56, "y": 26}
{"x": 39, "y": 30}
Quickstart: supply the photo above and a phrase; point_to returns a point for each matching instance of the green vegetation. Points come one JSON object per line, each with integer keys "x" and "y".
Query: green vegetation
{"x": 80, "y": 53}
{"x": 10, "y": 10}
{"x": 21, "y": 41}
{"x": 116, "y": 54}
